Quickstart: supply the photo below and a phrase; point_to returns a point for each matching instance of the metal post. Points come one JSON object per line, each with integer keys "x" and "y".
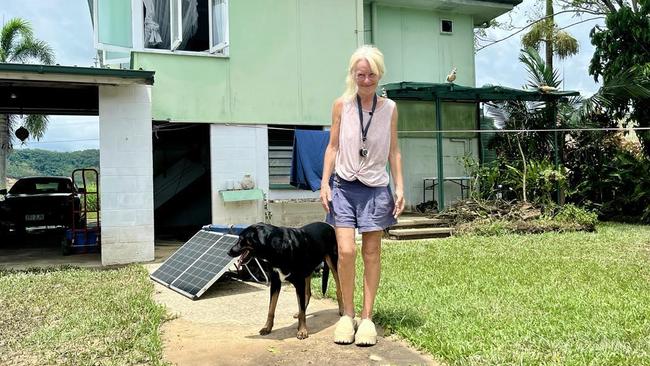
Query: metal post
{"x": 441, "y": 189}
{"x": 556, "y": 154}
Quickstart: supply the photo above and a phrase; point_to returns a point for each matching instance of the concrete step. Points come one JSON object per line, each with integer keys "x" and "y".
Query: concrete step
{"x": 416, "y": 222}
{"x": 419, "y": 233}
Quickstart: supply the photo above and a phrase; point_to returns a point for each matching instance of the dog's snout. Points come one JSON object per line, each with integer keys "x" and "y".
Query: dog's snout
{"x": 235, "y": 250}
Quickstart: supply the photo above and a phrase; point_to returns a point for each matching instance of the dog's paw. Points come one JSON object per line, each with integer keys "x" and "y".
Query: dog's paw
{"x": 302, "y": 334}
{"x": 265, "y": 331}
{"x": 295, "y": 315}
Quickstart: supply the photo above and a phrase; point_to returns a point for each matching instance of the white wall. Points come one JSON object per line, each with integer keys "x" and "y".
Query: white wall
{"x": 235, "y": 151}
{"x": 126, "y": 179}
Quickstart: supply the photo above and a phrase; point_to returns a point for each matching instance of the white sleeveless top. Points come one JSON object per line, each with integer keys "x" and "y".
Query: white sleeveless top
{"x": 370, "y": 170}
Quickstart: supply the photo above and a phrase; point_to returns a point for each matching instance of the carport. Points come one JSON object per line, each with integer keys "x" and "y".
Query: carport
{"x": 122, "y": 100}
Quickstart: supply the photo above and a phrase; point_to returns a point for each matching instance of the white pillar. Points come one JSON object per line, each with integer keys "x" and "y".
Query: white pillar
{"x": 126, "y": 174}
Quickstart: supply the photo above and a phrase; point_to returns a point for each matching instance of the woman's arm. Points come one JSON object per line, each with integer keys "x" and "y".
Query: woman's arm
{"x": 330, "y": 155}
{"x": 395, "y": 161}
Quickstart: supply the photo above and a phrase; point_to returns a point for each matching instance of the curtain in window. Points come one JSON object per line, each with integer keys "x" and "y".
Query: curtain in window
{"x": 190, "y": 21}
{"x": 157, "y": 22}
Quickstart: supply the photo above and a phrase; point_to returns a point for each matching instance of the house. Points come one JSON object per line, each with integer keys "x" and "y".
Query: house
{"x": 235, "y": 78}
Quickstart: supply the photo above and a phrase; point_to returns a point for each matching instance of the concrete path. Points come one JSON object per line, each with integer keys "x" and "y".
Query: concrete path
{"x": 221, "y": 328}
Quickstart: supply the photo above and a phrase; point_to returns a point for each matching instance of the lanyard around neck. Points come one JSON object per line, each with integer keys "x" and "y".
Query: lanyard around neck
{"x": 364, "y": 131}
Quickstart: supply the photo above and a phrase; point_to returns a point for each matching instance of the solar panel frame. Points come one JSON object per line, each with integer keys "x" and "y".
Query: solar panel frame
{"x": 198, "y": 264}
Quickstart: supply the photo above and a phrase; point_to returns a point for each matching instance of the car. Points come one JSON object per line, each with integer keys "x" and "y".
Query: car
{"x": 44, "y": 203}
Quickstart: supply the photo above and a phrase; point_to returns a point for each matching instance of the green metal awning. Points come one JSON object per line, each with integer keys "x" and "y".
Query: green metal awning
{"x": 461, "y": 93}
{"x": 60, "y": 90}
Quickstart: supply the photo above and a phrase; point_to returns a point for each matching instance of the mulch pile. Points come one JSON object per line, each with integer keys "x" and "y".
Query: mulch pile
{"x": 471, "y": 216}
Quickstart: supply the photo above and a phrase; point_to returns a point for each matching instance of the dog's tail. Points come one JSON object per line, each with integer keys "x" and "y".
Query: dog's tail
{"x": 326, "y": 275}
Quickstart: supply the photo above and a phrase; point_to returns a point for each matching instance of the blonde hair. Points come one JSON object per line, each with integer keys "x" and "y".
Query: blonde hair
{"x": 376, "y": 61}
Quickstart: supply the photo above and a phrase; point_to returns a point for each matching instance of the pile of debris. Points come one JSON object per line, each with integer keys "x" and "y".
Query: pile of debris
{"x": 471, "y": 210}
{"x": 503, "y": 217}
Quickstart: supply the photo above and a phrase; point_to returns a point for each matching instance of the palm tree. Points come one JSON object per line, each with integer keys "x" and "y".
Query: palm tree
{"x": 522, "y": 115}
{"x": 556, "y": 41}
{"x": 18, "y": 44}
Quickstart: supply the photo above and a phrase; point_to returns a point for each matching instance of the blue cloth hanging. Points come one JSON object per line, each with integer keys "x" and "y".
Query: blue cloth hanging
{"x": 307, "y": 161}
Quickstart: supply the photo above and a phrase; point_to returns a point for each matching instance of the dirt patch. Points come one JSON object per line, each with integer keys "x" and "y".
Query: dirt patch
{"x": 221, "y": 328}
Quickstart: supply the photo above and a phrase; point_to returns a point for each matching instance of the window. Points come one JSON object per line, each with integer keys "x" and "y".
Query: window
{"x": 446, "y": 26}
{"x": 121, "y": 26}
{"x": 186, "y": 25}
{"x": 281, "y": 153}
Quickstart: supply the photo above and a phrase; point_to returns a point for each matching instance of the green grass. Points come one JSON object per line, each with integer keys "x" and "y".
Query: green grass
{"x": 73, "y": 316}
{"x": 545, "y": 299}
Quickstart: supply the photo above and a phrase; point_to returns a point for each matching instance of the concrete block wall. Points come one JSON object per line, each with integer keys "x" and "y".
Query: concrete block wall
{"x": 295, "y": 213}
{"x": 126, "y": 176}
{"x": 235, "y": 151}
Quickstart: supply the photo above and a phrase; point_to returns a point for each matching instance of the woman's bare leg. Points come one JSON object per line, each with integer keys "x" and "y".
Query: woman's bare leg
{"x": 346, "y": 271}
{"x": 371, "y": 250}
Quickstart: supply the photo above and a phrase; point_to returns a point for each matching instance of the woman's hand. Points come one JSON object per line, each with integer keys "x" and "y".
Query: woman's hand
{"x": 399, "y": 203}
{"x": 325, "y": 196}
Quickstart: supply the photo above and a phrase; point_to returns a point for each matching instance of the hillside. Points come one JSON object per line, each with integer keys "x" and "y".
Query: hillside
{"x": 30, "y": 162}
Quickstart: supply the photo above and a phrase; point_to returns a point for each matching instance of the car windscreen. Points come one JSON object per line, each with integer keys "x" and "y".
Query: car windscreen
{"x": 41, "y": 185}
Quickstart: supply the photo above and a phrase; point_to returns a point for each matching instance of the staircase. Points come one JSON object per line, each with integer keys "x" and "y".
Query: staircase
{"x": 414, "y": 226}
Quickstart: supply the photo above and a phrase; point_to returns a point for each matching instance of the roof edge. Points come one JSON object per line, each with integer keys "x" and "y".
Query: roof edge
{"x": 146, "y": 77}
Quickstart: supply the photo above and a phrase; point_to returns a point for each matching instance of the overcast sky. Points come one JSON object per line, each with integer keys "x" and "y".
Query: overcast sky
{"x": 66, "y": 26}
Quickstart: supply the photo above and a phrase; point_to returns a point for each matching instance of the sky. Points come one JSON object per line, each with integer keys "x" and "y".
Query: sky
{"x": 66, "y": 26}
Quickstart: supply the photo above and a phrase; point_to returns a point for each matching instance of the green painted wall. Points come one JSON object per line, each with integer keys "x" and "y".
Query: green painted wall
{"x": 415, "y": 50}
{"x": 287, "y": 63}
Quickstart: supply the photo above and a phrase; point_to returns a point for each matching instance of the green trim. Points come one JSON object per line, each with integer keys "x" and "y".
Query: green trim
{"x": 461, "y": 93}
{"x": 242, "y": 195}
{"x": 509, "y": 2}
{"x": 281, "y": 186}
{"x": 147, "y": 76}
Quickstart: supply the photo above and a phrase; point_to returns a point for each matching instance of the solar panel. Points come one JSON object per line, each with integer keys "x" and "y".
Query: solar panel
{"x": 196, "y": 265}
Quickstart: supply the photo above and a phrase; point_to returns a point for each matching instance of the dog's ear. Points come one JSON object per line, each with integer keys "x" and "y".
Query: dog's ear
{"x": 262, "y": 232}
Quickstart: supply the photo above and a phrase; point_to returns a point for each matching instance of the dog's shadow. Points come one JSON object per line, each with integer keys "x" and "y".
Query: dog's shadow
{"x": 230, "y": 286}
{"x": 316, "y": 322}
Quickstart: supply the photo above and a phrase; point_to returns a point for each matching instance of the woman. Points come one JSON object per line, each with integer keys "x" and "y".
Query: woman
{"x": 363, "y": 138}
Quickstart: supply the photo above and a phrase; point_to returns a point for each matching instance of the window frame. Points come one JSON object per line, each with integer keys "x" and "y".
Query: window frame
{"x": 175, "y": 40}
{"x": 225, "y": 27}
{"x": 137, "y": 33}
{"x": 451, "y": 24}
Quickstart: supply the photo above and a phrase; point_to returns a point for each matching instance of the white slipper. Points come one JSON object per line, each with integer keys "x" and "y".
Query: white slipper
{"x": 344, "y": 332}
{"x": 366, "y": 333}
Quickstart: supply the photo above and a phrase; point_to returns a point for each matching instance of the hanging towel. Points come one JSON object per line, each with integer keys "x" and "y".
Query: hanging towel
{"x": 307, "y": 161}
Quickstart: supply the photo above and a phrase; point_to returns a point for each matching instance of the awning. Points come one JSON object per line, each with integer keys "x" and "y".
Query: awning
{"x": 454, "y": 92}
{"x": 62, "y": 90}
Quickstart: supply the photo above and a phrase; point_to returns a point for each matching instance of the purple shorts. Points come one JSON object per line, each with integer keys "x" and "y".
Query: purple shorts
{"x": 355, "y": 205}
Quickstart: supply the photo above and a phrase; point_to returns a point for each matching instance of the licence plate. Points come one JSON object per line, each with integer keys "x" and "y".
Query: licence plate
{"x": 35, "y": 217}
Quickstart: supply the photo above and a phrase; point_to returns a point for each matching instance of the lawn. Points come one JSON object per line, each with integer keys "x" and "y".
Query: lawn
{"x": 555, "y": 299}
{"x": 79, "y": 317}
{"x": 564, "y": 299}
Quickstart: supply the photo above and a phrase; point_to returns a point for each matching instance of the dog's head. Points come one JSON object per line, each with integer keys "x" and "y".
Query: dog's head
{"x": 251, "y": 242}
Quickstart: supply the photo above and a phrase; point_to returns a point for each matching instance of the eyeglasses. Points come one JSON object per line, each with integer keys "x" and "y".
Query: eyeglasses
{"x": 361, "y": 77}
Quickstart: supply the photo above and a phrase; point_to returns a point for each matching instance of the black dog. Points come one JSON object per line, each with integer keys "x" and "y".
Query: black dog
{"x": 293, "y": 254}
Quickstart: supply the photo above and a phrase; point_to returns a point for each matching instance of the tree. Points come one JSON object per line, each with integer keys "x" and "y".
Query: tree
{"x": 624, "y": 45}
{"x": 18, "y": 44}
{"x": 556, "y": 41}
{"x": 521, "y": 115}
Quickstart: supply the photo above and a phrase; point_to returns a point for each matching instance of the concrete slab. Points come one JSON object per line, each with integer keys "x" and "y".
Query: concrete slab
{"x": 221, "y": 328}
